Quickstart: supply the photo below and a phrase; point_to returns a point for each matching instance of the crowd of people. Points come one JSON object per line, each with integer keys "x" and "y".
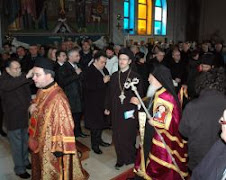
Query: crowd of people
{"x": 46, "y": 91}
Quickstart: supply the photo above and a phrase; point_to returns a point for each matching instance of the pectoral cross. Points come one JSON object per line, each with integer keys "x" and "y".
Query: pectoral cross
{"x": 119, "y": 26}
{"x": 122, "y": 97}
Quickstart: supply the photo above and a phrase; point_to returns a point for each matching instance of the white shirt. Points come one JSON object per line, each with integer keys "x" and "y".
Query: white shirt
{"x": 112, "y": 65}
{"x": 73, "y": 65}
{"x": 61, "y": 64}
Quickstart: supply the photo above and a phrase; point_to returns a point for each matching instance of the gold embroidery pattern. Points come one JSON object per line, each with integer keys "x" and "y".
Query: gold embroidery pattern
{"x": 175, "y": 152}
{"x": 173, "y": 138}
{"x": 166, "y": 164}
{"x": 54, "y": 136}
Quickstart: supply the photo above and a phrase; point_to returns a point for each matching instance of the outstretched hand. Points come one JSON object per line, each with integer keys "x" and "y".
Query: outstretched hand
{"x": 29, "y": 74}
{"x": 134, "y": 100}
{"x": 106, "y": 112}
{"x": 150, "y": 121}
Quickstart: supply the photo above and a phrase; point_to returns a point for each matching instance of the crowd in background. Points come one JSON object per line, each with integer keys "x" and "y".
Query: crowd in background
{"x": 187, "y": 61}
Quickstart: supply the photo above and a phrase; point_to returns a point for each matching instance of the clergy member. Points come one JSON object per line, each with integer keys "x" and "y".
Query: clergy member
{"x": 51, "y": 137}
{"x": 119, "y": 106}
{"x": 153, "y": 161}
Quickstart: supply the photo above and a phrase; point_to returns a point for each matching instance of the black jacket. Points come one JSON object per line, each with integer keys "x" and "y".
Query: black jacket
{"x": 57, "y": 70}
{"x": 95, "y": 92}
{"x": 85, "y": 59}
{"x": 193, "y": 73}
{"x": 70, "y": 81}
{"x": 15, "y": 94}
{"x": 200, "y": 125}
{"x": 213, "y": 164}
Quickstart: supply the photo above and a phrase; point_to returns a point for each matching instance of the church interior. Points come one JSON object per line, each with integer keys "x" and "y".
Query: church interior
{"x": 148, "y": 27}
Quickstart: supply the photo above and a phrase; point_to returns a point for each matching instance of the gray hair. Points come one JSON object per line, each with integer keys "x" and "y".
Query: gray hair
{"x": 47, "y": 71}
{"x": 77, "y": 49}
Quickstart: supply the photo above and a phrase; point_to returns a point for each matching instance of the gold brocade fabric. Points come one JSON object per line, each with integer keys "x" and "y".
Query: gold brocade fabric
{"x": 54, "y": 133}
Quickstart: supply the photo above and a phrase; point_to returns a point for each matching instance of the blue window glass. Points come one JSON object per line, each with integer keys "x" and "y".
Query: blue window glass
{"x": 129, "y": 8}
{"x": 160, "y": 17}
{"x": 126, "y": 23}
{"x": 132, "y": 16}
{"x": 126, "y": 9}
{"x": 158, "y": 3}
{"x": 158, "y": 28}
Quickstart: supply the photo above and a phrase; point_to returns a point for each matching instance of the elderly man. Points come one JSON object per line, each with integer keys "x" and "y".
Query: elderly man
{"x": 70, "y": 79}
{"x": 52, "y": 140}
{"x": 153, "y": 160}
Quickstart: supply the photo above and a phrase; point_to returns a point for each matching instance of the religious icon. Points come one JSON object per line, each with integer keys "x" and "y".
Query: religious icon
{"x": 160, "y": 114}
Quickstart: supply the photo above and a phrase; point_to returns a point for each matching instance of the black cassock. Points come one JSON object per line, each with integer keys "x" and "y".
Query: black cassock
{"x": 124, "y": 130}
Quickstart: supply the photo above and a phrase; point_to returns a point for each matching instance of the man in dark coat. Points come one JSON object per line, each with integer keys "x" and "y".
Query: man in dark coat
{"x": 193, "y": 72}
{"x": 200, "y": 117}
{"x": 15, "y": 94}
{"x": 158, "y": 59}
{"x": 213, "y": 165}
{"x": 86, "y": 55}
{"x": 61, "y": 58}
{"x": 178, "y": 69}
{"x": 70, "y": 76}
{"x": 219, "y": 58}
{"x": 185, "y": 53}
{"x": 23, "y": 59}
{"x": 142, "y": 69}
{"x": 96, "y": 80}
{"x": 119, "y": 106}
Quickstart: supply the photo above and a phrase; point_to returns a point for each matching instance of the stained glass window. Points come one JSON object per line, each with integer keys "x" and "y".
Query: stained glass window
{"x": 160, "y": 18}
{"x": 129, "y": 10}
{"x": 144, "y": 24}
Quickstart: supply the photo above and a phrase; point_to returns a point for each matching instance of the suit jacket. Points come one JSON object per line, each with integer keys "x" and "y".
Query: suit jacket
{"x": 95, "y": 92}
{"x": 70, "y": 81}
{"x": 213, "y": 164}
{"x": 85, "y": 59}
{"x": 57, "y": 68}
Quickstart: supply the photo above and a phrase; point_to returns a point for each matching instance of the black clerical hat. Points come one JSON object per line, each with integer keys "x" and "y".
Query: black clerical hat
{"x": 127, "y": 52}
{"x": 207, "y": 58}
{"x": 44, "y": 63}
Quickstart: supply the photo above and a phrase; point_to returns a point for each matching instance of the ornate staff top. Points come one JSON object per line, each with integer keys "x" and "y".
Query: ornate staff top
{"x": 132, "y": 83}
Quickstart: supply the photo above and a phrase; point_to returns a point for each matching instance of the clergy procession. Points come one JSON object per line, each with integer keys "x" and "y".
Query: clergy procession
{"x": 165, "y": 109}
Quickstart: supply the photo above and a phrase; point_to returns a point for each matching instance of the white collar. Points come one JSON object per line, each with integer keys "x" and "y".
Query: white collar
{"x": 73, "y": 65}
{"x": 60, "y": 63}
{"x": 124, "y": 70}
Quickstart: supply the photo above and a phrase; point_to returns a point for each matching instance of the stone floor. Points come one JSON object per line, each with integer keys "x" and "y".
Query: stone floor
{"x": 100, "y": 167}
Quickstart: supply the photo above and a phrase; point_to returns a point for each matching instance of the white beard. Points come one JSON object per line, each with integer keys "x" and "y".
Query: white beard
{"x": 151, "y": 90}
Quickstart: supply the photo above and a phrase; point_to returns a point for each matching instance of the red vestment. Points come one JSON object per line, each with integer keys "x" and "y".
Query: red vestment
{"x": 51, "y": 130}
{"x": 159, "y": 165}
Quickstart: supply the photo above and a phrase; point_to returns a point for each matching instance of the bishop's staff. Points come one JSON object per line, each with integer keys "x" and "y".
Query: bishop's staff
{"x": 131, "y": 84}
